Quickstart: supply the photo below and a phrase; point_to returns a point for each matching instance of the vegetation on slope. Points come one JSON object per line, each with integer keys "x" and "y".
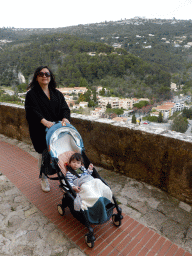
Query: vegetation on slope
{"x": 122, "y": 73}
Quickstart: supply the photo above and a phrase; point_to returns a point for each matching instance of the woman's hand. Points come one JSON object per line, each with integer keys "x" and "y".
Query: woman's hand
{"x": 76, "y": 189}
{"x": 46, "y": 123}
{"x": 64, "y": 121}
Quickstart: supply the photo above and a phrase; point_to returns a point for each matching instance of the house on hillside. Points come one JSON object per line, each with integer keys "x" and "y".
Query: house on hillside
{"x": 179, "y": 106}
{"x": 116, "y": 45}
{"x": 83, "y": 104}
{"x": 97, "y": 112}
{"x": 173, "y": 87}
{"x": 70, "y": 90}
{"x": 68, "y": 97}
{"x": 66, "y": 90}
{"x": 167, "y": 109}
{"x": 78, "y": 90}
{"x": 91, "y": 53}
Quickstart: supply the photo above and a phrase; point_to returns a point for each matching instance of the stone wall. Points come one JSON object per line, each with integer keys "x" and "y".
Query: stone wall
{"x": 155, "y": 159}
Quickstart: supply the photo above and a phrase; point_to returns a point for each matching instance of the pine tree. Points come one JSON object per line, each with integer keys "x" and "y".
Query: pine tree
{"x": 160, "y": 118}
{"x": 133, "y": 119}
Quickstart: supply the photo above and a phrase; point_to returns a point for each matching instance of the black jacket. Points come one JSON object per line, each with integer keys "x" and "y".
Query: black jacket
{"x": 37, "y": 107}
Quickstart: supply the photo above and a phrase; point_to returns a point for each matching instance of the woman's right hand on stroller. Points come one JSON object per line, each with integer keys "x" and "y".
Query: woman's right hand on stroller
{"x": 46, "y": 123}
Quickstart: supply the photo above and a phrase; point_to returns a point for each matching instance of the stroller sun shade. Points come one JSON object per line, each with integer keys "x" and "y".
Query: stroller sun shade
{"x": 61, "y": 139}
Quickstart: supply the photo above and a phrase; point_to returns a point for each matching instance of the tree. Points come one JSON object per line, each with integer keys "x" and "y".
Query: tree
{"x": 87, "y": 95}
{"x": 81, "y": 98}
{"x": 141, "y": 104}
{"x": 91, "y": 104}
{"x": 22, "y": 87}
{"x": 102, "y": 92}
{"x": 187, "y": 113}
{"x": 108, "y": 105}
{"x": 133, "y": 119}
{"x": 94, "y": 96}
{"x": 180, "y": 124}
{"x": 83, "y": 82}
{"x": 160, "y": 117}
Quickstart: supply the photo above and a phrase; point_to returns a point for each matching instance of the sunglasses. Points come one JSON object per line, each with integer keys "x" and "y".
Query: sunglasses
{"x": 41, "y": 74}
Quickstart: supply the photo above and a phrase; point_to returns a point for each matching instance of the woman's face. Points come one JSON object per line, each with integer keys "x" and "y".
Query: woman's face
{"x": 43, "y": 78}
{"x": 75, "y": 164}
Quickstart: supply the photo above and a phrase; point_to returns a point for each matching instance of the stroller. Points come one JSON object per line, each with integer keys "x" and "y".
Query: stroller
{"x": 61, "y": 140}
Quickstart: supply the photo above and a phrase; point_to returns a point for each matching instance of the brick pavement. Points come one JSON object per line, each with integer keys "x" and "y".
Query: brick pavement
{"x": 131, "y": 238}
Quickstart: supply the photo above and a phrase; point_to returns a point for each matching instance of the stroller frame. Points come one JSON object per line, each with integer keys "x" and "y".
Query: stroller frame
{"x": 69, "y": 194}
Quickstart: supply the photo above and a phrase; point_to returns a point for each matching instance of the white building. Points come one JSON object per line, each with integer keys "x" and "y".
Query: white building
{"x": 83, "y": 104}
{"x": 167, "y": 109}
{"x": 179, "y": 106}
{"x": 97, "y": 112}
{"x": 173, "y": 87}
{"x": 104, "y": 101}
{"x": 70, "y": 90}
{"x": 115, "y": 102}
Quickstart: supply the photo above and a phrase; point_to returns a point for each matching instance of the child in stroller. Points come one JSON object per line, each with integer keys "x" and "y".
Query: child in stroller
{"x": 76, "y": 170}
{"x": 89, "y": 189}
{"x": 64, "y": 141}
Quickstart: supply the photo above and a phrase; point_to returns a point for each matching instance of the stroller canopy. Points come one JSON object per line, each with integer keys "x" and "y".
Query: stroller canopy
{"x": 61, "y": 139}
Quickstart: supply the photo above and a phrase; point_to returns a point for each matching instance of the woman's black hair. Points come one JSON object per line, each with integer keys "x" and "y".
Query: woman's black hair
{"x": 34, "y": 82}
{"x": 77, "y": 157}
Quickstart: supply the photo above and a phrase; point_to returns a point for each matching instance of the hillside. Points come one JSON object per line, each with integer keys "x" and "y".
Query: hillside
{"x": 68, "y": 56}
{"x": 164, "y": 42}
{"x": 157, "y": 41}
{"x": 152, "y": 53}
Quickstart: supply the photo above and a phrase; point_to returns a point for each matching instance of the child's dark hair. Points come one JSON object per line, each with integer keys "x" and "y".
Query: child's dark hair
{"x": 77, "y": 157}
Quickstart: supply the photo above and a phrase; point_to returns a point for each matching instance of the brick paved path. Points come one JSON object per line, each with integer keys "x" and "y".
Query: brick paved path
{"x": 131, "y": 238}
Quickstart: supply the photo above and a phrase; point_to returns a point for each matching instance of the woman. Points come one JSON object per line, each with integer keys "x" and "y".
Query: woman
{"x": 44, "y": 105}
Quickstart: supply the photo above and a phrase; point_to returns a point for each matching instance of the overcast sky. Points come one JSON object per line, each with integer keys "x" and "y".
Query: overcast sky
{"x": 63, "y": 13}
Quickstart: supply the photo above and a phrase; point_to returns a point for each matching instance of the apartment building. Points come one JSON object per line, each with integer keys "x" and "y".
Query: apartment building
{"x": 75, "y": 90}
{"x": 179, "y": 106}
{"x": 113, "y": 101}
{"x": 116, "y": 102}
{"x": 167, "y": 109}
{"x": 126, "y": 103}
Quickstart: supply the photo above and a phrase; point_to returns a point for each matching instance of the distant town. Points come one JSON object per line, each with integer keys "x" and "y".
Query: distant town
{"x": 167, "y": 108}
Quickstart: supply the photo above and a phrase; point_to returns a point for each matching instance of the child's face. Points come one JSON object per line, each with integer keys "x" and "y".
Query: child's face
{"x": 75, "y": 164}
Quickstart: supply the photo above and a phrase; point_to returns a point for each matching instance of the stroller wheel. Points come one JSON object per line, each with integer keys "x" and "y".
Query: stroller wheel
{"x": 89, "y": 244}
{"x": 60, "y": 209}
{"x": 116, "y": 220}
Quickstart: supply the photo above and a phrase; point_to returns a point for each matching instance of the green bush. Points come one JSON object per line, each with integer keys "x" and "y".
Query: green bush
{"x": 151, "y": 118}
{"x": 180, "y": 124}
{"x": 9, "y": 98}
{"x": 117, "y": 111}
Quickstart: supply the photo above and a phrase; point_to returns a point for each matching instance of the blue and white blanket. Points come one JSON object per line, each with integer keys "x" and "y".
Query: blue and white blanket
{"x": 93, "y": 197}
